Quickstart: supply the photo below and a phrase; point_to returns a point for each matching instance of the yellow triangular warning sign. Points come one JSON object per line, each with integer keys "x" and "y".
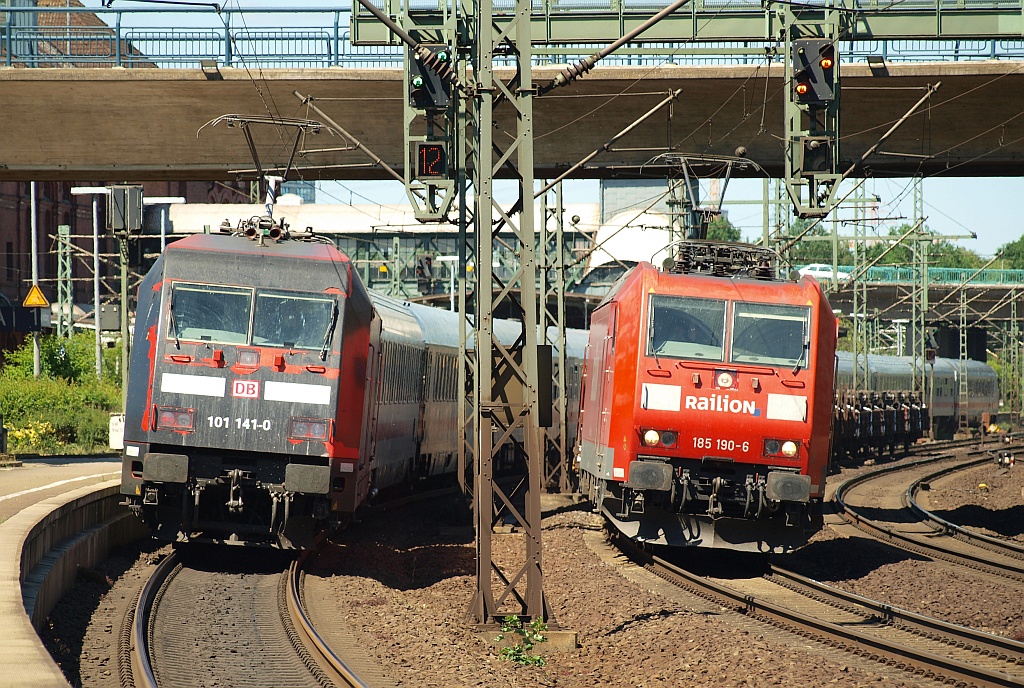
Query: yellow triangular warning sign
{"x": 35, "y": 298}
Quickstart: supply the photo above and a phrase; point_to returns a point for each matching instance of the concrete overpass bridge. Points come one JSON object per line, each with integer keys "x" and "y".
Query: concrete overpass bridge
{"x": 144, "y": 124}
{"x": 139, "y": 120}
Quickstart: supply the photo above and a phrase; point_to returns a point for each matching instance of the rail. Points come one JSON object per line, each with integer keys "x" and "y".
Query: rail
{"x": 311, "y": 37}
{"x": 136, "y": 650}
{"x": 915, "y": 657}
{"x": 929, "y": 547}
{"x": 1009, "y": 547}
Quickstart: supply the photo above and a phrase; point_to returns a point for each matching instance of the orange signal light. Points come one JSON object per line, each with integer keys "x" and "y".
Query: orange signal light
{"x": 802, "y": 88}
{"x": 827, "y": 62}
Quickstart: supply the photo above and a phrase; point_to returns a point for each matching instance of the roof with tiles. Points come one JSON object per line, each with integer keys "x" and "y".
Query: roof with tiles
{"x": 69, "y": 35}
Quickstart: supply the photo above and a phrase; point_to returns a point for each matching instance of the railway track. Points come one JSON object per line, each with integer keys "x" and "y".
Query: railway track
{"x": 197, "y": 627}
{"x": 919, "y": 645}
{"x": 892, "y": 515}
{"x": 994, "y": 544}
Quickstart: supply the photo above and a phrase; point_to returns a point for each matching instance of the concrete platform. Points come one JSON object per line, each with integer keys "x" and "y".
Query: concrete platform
{"x": 33, "y": 497}
{"x": 38, "y": 478}
{"x": 26, "y": 661}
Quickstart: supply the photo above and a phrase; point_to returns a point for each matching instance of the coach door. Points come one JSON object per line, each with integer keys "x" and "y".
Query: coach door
{"x": 599, "y": 400}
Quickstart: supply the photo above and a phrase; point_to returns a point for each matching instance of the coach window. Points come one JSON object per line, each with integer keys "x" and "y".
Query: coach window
{"x": 686, "y": 328}
{"x": 770, "y": 335}
{"x": 205, "y": 313}
{"x": 382, "y": 385}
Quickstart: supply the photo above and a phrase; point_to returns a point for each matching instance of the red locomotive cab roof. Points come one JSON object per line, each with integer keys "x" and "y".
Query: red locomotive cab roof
{"x": 299, "y": 250}
{"x": 232, "y": 259}
{"x": 645, "y": 278}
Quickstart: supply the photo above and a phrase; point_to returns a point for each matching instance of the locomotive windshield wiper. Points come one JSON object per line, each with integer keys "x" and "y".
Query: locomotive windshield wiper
{"x": 803, "y": 353}
{"x": 330, "y": 331}
{"x": 174, "y": 325}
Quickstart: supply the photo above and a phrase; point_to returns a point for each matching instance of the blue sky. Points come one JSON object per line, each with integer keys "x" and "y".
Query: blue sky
{"x": 952, "y": 205}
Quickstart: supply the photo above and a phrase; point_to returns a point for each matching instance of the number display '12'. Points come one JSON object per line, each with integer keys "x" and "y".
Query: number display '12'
{"x": 431, "y": 160}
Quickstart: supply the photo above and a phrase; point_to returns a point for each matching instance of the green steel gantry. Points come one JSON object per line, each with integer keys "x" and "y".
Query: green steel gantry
{"x": 453, "y": 157}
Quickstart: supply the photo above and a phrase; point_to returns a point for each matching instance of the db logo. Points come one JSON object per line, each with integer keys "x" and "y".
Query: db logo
{"x": 249, "y": 389}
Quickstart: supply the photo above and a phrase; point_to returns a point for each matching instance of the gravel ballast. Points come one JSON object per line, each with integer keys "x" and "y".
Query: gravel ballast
{"x": 402, "y": 583}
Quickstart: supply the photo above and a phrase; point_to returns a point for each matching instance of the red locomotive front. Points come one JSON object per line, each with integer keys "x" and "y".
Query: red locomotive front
{"x": 707, "y": 408}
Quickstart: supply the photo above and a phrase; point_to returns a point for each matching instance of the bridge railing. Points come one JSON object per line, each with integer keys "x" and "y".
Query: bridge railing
{"x": 944, "y": 276}
{"x": 177, "y": 37}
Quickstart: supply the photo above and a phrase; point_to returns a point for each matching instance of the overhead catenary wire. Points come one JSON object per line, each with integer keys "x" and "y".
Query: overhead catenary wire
{"x": 308, "y": 101}
{"x": 576, "y": 71}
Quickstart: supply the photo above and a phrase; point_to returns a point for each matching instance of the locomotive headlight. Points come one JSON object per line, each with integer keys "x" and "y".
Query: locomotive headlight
{"x": 654, "y": 438}
{"x": 724, "y": 380}
{"x": 173, "y": 418}
{"x": 248, "y": 357}
{"x": 309, "y": 429}
{"x": 787, "y": 448}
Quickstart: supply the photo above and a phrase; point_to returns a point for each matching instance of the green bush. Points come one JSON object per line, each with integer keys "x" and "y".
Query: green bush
{"x": 68, "y": 359}
{"x": 66, "y": 410}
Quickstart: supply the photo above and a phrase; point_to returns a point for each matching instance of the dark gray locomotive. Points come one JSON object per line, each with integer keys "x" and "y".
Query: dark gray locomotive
{"x": 271, "y": 395}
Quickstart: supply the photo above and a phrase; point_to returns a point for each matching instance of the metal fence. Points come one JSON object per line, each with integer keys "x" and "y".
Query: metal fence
{"x": 945, "y": 276}
{"x": 170, "y": 37}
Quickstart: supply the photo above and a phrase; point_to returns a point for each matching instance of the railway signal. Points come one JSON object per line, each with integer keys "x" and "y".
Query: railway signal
{"x": 812, "y": 117}
{"x": 429, "y": 128}
{"x": 124, "y": 208}
{"x": 427, "y": 89}
{"x": 814, "y": 71}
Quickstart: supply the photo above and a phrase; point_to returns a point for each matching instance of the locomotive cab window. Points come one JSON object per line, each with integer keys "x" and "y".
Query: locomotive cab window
{"x": 206, "y": 313}
{"x": 292, "y": 321}
{"x": 686, "y": 328}
{"x": 770, "y": 335}
{"x": 224, "y": 315}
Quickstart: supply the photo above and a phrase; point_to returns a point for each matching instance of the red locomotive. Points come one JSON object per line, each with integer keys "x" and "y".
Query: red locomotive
{"x": 707, "y": 402}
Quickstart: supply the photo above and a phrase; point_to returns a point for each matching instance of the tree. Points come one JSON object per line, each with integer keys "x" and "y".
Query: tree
{"x": 946, "y": 255}
{"x": 816, "y": 251}
{"x": 941, "y": 253}
{"x": 1013, "y": 254}
{"x": 720, "y": 229}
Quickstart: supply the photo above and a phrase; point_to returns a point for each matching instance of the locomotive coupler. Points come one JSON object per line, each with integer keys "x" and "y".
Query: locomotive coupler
{"x": 234, "y": 502}
{"x": 680, "y": 494}
{"x": 637, "y": 505}
{"x": 714, "y": 504}
{"x": 796, "y": 515}
{"x": 275, "y": 499}
{"x": 632, "y": 502}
